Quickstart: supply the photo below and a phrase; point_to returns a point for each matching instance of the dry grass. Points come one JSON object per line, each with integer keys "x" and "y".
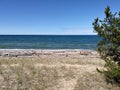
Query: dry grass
{"x": 52, "y": 73}
{"x": 93, "y": 81}
{"x": 27, "y": 77}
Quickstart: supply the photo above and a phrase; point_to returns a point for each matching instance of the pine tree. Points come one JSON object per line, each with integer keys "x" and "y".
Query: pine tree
{"x": 109, "y": 46}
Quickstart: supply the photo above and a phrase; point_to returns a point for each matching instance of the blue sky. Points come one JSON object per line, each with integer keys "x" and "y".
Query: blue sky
{"x": 64, "y": 17}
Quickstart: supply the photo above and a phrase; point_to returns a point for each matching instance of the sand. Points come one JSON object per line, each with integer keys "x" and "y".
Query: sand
{"x": 70, "y": 69}
{"x": 38, "y": 52}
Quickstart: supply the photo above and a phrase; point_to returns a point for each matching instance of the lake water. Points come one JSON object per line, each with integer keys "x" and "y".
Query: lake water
{"x": 48, "y": 41}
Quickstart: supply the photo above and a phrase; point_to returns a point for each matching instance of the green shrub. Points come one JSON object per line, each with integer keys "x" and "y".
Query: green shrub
{"x": 112, "y": 72}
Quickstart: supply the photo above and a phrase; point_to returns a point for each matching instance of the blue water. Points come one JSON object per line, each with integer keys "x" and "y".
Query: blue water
{"x": 48, "y": 41}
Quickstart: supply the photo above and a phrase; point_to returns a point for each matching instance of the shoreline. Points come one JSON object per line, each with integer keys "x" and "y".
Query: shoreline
{"x": 44, "y": 49}
{"x": 39, "y": 52}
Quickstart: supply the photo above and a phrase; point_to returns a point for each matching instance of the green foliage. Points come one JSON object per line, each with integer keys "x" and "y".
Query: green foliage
{"x": 112, "y": 72}
{"x": 109, "y": 46}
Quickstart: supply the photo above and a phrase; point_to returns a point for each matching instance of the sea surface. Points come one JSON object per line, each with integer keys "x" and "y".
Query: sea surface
{"x": 48, "y": 41}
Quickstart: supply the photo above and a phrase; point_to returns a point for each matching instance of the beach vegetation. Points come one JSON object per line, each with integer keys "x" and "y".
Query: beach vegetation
{"x": 109, "y": 45}
{"x": 52, "y": 73}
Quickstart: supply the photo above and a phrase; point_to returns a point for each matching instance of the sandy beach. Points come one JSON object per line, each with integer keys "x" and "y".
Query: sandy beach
{"x": 39, "y": 52}
{"x": 63, "y": 69}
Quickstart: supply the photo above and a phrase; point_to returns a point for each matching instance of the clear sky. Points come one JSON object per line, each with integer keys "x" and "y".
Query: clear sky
{"x": 64, "y": 17}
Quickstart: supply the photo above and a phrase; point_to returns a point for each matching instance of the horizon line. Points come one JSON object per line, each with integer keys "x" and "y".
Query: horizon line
{"x": 50, "y": 34}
